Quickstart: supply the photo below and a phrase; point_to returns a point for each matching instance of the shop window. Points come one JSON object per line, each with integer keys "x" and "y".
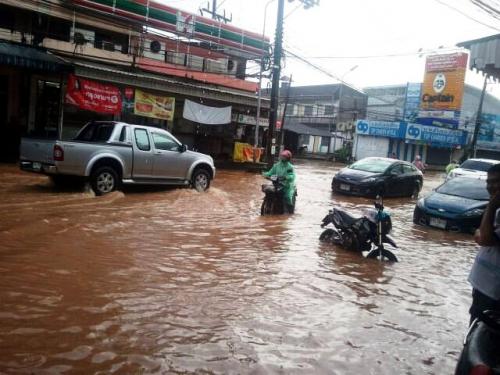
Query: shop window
{"x": 328, "y": 110}
{"x": 142, "y": 140}
{"x": 308, "y": 110}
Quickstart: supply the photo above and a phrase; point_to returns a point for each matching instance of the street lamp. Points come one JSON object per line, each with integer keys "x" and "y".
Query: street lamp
{"x": 259, "y": 98}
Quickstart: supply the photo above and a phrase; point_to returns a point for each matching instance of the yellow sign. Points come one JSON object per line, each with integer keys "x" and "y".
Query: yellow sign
{"x": 444, "y": 82}
{"x": 156, "y": 106}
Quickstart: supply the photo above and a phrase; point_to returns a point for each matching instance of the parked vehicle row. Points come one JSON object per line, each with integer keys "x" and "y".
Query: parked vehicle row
{"x": 456, "y": 205}
{"x": 109, "y": 154}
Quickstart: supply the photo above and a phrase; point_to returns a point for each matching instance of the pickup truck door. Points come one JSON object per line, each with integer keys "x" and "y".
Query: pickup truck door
{"x": 143, "y": 155}
{"x": 169, "y": 162}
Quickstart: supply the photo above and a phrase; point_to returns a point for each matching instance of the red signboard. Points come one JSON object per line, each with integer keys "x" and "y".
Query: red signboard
{"x": 93, "y": 96}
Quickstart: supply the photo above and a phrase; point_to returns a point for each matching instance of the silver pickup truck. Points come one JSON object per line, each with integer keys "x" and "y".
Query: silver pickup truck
{"x": 109, "y": 154}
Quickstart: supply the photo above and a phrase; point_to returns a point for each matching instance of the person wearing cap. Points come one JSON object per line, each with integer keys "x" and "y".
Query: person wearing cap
{"x": 284, "y": 169}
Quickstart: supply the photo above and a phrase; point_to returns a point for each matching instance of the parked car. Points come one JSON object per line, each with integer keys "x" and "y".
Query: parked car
{"x": 456, "y": 205}
{"x": 475, "y": 168}
{"x": 378, "y": 176}
{"x": 111, "y": 153}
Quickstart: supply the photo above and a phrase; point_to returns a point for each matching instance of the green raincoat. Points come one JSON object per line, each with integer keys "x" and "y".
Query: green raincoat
{"x": 284, "y": 168}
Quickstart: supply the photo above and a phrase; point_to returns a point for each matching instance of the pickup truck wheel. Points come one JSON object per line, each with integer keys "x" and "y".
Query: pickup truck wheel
{"x": 104, "y": 180}
{"x": 201, "y": 179}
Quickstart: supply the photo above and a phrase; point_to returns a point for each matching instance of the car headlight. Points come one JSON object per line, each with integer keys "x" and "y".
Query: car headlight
{"x": 421, "y": 203}
{"x": 474, "y": 212}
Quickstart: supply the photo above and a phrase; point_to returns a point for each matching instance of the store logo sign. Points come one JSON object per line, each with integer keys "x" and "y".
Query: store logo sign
{"x": 439, "y": 83}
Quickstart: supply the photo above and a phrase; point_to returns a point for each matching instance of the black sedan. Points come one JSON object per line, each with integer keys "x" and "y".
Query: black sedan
{"x": 378, "y": 176}
{"x": 457, "y": 205}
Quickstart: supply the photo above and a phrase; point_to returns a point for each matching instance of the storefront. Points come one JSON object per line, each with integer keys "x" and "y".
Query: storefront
{"x": 30, "y": 95}
{"x": 436, "y": 146}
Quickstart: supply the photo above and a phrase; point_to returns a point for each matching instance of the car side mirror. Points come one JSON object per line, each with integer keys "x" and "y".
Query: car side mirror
{"x": 183, "y": 148}
{"x": 393, "y": 172}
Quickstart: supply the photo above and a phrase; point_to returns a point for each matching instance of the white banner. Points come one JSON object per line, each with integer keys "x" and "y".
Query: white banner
{"x": 206, "y": 115}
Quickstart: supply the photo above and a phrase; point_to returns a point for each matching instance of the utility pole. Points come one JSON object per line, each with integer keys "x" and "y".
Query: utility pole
{"x": 213, "y": 12}
{"x": 276, "y": 70}
{"x": 472, "y": 148}
{"x": 283, "y": 116}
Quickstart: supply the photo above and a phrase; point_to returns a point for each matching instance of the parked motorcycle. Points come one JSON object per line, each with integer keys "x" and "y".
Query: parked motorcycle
{"x": 367, "y": 233}
{"x": 480, "y": 352}
{"x": 274, "y": 203}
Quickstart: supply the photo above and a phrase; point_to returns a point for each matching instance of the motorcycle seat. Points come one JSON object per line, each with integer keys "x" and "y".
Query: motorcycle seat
{"x": 347, "y": 218}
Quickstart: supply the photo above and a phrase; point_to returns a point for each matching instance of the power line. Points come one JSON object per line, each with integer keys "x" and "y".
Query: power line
{"x": 466, "y": 15}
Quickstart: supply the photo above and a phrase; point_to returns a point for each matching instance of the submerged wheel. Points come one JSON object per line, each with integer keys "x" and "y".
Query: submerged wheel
{"x": 416, "y": 191}
{"x": 386, "y": 255}
{"x": 329, "y": 235}
{"x": 267, "y": 207}
{"x": 104, "y": 180}
{"x": 201, "y": 180}
{"x": 349, "y": 241}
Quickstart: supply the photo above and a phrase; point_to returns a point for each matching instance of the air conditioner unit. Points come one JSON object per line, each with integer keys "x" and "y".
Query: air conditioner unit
{"x": 82, "y": 37}
{"x": 194, "y": 62}
{"x": 154, "y": 49}
{"x": 176, "y": 58}
{"x": 216, "y": 66}
{"x": 232, "y": 67}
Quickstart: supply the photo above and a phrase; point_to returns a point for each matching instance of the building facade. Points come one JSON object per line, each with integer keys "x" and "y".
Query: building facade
{"x": 320, "y": 118}
{"x": 66, "y": 62}
{"x": 389, "y": 128}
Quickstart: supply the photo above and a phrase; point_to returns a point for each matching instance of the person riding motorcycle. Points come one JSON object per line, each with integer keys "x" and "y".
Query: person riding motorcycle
{"x": 284, "y": 170}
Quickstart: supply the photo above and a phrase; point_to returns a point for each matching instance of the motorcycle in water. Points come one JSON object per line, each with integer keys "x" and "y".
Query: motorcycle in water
{"x": 367, "y": 233}
{"x": 274, "y": 200}
{"x": 480, "y": 352}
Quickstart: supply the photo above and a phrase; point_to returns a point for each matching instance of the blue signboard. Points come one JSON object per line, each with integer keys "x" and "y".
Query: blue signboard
{"x": 435, "y": 136}
{"x": 390, "y": 129}
{"x": 412, "y": 102}
{"x": 416, "y": 133}
{"x": 489, "y": 132}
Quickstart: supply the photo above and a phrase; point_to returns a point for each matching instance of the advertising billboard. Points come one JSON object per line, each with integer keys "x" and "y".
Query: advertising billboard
{"x": 412, "y": 101}
{"x": 156, "y": 106}
{"x": 489, "y": 132}
{"x": 442, "y": 90}
{"x": 93, "y": 96}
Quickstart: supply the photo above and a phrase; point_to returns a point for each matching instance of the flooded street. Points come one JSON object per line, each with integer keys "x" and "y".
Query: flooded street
{"x": 174, "y": 281}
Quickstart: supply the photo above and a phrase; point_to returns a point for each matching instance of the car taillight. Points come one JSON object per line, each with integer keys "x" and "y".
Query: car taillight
{"x": 58, "y": 153}
{"x": 481, "y": 370}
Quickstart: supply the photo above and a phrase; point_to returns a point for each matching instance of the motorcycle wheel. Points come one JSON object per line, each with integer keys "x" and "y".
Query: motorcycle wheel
{"x": 330, "y": 235}
{"x": 386, "y": 255}
{"x": 349, "y": 241}
{"x": 267, "y": 207}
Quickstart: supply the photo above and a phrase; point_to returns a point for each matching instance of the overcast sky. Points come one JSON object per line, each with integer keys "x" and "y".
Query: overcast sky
{"x": 353, "y": 30}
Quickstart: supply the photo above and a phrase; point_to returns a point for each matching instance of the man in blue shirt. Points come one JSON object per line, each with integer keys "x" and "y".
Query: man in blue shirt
{"x": 485, "y": 272}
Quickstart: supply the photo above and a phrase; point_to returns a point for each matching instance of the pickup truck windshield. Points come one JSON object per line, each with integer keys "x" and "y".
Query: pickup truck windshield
{"x": 96, "y": 132}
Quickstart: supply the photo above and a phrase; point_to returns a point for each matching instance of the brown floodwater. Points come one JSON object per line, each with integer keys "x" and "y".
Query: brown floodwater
{"x": 174, "y": 281}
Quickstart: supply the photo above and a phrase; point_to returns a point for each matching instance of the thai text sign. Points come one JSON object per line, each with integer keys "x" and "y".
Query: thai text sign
{"x": 152, "y": 105}
{"x": 381, "y": 128}
{"x": 93, "y": 96}
{"x": 435, "y": 135}
{"x": 444, "y": 82}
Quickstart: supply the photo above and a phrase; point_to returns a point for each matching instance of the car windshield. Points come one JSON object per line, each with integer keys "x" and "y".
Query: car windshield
{"x": 372, "y": 165}
{"x": 470, "y": 188}
{"x": 476, "y": 165}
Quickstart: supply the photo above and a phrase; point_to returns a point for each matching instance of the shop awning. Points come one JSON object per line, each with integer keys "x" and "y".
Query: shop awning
{"x": 31, "y": 58}
{"x": 484, "y": 55}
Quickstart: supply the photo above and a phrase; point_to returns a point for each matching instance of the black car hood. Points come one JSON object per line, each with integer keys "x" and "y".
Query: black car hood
{"x": 347, "y": 174}
{"x": 451, "y": 203}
